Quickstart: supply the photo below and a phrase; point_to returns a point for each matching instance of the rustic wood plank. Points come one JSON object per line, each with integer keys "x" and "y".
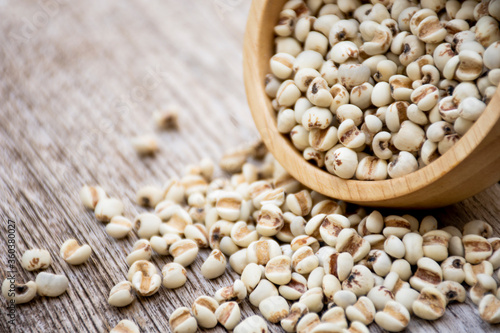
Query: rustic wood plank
{"x": 73, "y": 93}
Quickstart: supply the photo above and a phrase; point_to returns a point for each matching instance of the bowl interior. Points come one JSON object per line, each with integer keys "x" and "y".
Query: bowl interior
{"x": 471, "y": 165}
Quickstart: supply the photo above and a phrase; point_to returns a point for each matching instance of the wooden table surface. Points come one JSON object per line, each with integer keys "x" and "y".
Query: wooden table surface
{"x": 77, "y": 80}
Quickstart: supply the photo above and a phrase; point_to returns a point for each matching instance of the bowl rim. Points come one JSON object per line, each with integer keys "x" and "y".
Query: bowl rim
{"x": 256, "y": 57}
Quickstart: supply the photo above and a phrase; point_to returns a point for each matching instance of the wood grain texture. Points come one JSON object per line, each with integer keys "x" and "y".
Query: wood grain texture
{"x": 74, "y": 91}
{"x": 468, "y": 167}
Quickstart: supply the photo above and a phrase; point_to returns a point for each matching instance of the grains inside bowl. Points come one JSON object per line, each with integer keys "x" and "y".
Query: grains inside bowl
{"x": 371, "y": 90}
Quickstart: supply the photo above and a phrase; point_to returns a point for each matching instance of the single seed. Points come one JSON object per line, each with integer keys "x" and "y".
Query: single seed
{"x": 125, "y": 326}
{"x": 174, "y": 275}
{"x": 19, "y": 293}
{"x": 145, "y": 144}
{"x": 91, "y": 195}
{"x": 228, "y": 314}
{"x": 121, "y": 294}
{"x": 181, "y": 321}
{"x": 215, "y": 265}
{"x": 75, "y": 254}
{"x": 51, "y": 285}
{"x": 36, "y": 259}
{"x": 107, "y": 208}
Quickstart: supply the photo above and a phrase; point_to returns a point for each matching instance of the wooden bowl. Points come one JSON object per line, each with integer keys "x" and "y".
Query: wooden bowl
{"x": 470, "y": 166}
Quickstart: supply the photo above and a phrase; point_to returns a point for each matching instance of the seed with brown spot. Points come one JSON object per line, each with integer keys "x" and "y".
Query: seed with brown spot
{"x": 181, "y": 321}
{"x": 35, "y": 259}
{"x": 477, "y": 248}
{"x": 430, "y": 304}
{"x": 203, "y": 309}
{"x": 489, "y": 309}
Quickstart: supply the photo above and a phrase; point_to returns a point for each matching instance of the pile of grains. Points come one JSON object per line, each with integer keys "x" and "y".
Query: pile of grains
{"x": 376, "y": 90}
{"x": 307, "y": 262}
